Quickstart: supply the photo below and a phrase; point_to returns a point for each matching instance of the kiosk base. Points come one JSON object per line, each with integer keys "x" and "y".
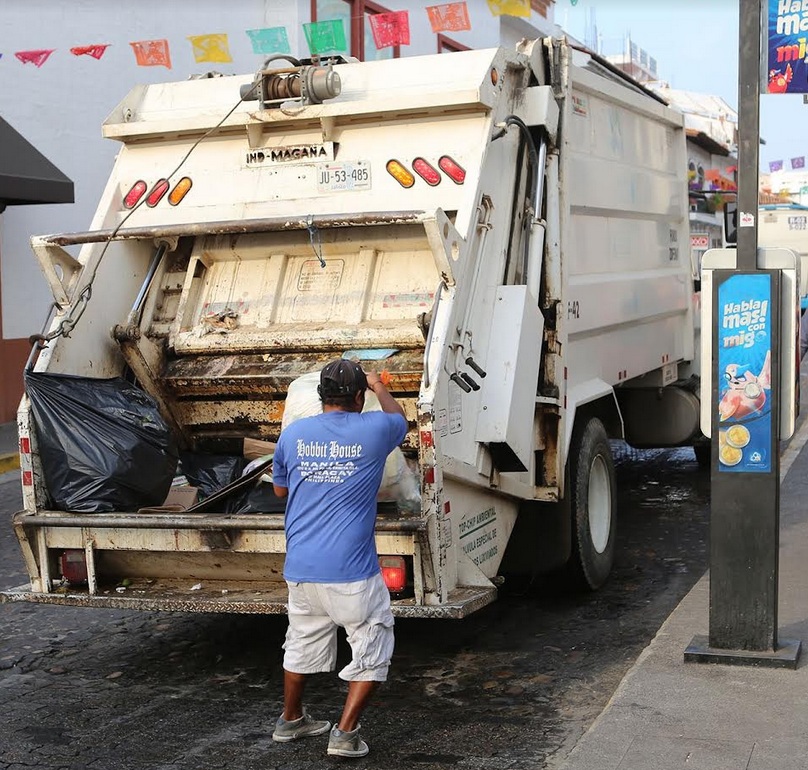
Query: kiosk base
{"x": 785, "y": 656}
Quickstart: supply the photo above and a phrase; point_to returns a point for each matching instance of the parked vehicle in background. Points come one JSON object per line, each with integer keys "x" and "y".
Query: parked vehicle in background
{"x": 786, "y": 225}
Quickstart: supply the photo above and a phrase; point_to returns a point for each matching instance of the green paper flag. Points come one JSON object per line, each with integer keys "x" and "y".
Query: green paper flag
{"x": 326, "y": 36}
{"x": 269, "y": 40}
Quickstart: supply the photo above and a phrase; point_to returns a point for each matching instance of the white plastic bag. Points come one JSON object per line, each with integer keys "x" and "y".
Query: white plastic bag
{"x": 302, "y": 399}
{"x": 399, "y": 481}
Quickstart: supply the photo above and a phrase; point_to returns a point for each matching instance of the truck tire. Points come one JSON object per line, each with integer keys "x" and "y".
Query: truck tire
{"x": 592, "y": 505}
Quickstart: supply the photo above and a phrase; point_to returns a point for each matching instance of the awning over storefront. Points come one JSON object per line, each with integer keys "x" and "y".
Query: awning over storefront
{"x": 26, "y": 175}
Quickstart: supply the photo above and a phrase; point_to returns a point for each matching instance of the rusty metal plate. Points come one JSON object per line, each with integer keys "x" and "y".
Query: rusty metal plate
{"x": 271, "y": 374}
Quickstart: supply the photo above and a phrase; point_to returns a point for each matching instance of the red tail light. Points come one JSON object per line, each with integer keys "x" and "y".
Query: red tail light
{"x": 157, "y": 193}
{"x": 426, "y": 172}
{"x": 135, "y": 194}
{"x": 449, "y": 167}
{"x": 394, "y": 573}
{"x": 74, "y": 566}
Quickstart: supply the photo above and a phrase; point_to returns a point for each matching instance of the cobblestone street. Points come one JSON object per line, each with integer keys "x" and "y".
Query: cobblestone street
{"x": 513, "y": 686}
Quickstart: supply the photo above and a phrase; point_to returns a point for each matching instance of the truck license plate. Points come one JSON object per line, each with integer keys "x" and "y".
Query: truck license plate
{"x": 338, "y": 177}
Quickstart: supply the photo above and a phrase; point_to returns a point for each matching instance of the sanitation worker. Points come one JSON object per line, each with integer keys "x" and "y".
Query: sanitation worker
{"x": 331, "y": 466}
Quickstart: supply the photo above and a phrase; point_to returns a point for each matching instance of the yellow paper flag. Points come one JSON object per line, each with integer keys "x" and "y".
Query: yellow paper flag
{"x": 509, "y": 7}
{"x": 212, "y": 48}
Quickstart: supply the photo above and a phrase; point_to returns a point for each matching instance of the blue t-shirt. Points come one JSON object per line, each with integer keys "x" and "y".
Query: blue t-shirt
{"x": 332, "y": 464}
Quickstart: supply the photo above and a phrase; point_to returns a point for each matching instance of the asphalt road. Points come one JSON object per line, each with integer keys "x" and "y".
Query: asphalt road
{"x": 512, "y": 687}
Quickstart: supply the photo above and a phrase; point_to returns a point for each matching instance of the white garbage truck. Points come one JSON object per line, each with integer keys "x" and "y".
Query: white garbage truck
{"x": 504, "y": 233}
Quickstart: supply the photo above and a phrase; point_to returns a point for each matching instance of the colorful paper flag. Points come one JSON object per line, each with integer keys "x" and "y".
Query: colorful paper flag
{"x": 452, "y": 17}
{"x": 211, "y": 48}
{"x": 509, "y": 7}
{"x": 37, "y": 58}
{"x": 326, "y": 36}
{"x": 152, "y": 53}
{"x": 798, "y": 162}
{"x": 775, "y": 165}
{"x": 96, "y": 51}
{"x": 390, "y": 29}
{"x": 269, "y": 40}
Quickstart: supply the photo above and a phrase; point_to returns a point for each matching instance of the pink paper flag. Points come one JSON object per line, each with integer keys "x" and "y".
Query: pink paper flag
{"x": 390, "y": 29}
{"x": 37, "y": 58}
{"x": 96, "y": 51}
{"x": 452, "y": 17}
{"x": 152, "y": 53}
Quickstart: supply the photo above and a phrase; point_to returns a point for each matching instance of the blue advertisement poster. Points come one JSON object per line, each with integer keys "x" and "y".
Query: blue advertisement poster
{"x": 744, "y": 371}
{"x": 787, "y": 47}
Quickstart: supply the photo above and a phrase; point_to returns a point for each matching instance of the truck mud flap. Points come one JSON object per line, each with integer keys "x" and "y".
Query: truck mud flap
{"x": 215, "y": 598}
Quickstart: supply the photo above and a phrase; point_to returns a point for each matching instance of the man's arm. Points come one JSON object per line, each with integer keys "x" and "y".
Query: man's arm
{"x": 386, "y": 401}
{"x": 279, "y": 470}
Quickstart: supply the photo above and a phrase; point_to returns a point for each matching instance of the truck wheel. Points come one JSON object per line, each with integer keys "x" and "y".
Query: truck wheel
{"x": 593, "y": 505}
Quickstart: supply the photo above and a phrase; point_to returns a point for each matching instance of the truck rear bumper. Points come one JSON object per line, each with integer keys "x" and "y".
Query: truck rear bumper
{"x": 167, "y": 596}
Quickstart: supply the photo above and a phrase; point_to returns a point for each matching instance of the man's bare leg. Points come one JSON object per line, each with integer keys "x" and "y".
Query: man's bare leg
{"x": 293, "y": 686}
{"x": 358, "y": 696}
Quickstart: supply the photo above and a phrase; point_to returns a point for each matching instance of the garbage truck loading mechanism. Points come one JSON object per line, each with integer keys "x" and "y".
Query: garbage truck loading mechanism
{"x": 503, "y": 232}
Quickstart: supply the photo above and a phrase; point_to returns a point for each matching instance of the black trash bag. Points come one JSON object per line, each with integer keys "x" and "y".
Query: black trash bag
{"x": 103, "y": 444}
{"x": 261, "y": 499}
{"x": 210, "y": 473}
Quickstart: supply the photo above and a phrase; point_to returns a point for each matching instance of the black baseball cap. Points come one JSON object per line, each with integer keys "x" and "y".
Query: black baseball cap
{"x": 341, "y": 378}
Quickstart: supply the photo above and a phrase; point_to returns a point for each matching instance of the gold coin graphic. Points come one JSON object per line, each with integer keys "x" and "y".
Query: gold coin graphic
{"x": 738, "y": 436}
{"x": 730, "y": 455}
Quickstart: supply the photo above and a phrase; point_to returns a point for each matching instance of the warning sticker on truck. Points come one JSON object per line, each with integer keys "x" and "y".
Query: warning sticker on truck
{"x": 343, "y": 177}
{"x": 478, "y": 536}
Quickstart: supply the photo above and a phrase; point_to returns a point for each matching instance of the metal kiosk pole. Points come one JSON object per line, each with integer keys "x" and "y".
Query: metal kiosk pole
{"x": 751, "y": 298}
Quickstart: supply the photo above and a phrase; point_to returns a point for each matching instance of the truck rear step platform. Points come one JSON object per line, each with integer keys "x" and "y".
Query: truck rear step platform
{"x": 228, "y": 597}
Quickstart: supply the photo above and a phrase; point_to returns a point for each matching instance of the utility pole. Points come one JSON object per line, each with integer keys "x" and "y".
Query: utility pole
{"x": 749, "y": 327}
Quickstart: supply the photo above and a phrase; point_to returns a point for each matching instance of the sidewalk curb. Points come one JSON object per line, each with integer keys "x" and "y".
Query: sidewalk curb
{"x": 9, "y": 462}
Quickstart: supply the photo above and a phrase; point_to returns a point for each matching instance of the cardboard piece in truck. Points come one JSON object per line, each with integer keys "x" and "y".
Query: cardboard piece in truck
{"x": 184, "y": 496}
{"x": 255, "y": 448}
{"x": 179, "y": 499}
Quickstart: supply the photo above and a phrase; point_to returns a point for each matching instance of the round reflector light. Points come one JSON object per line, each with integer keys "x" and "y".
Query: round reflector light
{"x": 180, "y": 190}
{"x": 134, "y": 194}
{"x": 394, "y": 573}
{"x": 157, "y": 193}
{"x": 429, "y": 174}
{"x": 400, "y": 174}
{"x": 454, "y": 171}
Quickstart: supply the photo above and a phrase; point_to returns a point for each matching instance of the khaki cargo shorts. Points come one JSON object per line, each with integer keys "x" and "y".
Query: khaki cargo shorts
{"x": 362, "y": 608}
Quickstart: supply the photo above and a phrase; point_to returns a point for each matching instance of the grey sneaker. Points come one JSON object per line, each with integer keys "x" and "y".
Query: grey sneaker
{"x": 347, "y": 744}
{"x": 304, "y": 727}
